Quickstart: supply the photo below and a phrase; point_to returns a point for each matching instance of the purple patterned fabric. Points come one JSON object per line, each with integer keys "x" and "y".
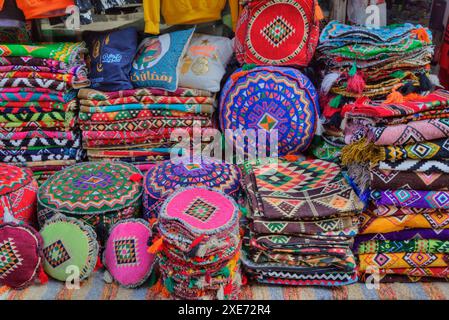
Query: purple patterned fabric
{"x": 412, "y": 198}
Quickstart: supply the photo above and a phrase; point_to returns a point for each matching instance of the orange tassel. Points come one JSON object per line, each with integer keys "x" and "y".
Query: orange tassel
{"x": 291, "y": 158}
{"x": 43, "y": 278}
{"x": 152, "y": 221}
{"x": 235, "y": 76}
{"x": 165, "y": 292}
{"x": 158, "y": 286}
{"x": 395, "y": 96}
{"x": 318, "y": 12}
{"x": 3, "y": 289}
{"x": 412, "y": 96}
{"x": 422, "y": 34}
{"x": 156, "y": 246}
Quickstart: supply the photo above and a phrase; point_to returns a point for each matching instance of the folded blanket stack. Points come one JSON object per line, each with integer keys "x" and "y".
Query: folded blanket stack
{"x": 380, "y": 63}
{"x": 141, "y": 125}
{"x": 398, "y": 155}
{"x": 38, "y": 106}
{"x": 302, "y": 224}
{"x": 200, "y": 236}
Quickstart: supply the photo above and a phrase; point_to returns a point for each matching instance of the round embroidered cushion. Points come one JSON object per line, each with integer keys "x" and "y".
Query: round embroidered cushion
{"x": 18, "y": 195}
{"x": 198, "y": 211}
{"x": 99, "y": 193}
{"x": 126, "y": 256}
{"x": 70, "y": 248}
{"x": 277, "y": 32}
{"x": 20, "y": 255}
{"x": 270, "y": 98}
{"x": 163, "y": 179}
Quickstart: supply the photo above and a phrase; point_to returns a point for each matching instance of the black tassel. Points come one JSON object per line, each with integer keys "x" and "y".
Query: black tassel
{"x": 424, "y": 83}
{"x": 102, "y": 233}
{"x": 407, "y": 88}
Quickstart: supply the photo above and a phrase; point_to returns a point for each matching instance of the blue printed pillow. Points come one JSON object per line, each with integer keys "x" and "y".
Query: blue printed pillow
{"x": 158, "y": 60}
{"x": 111, "y": 56}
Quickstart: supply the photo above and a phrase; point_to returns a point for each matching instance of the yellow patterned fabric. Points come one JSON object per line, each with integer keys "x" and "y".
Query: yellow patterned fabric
{"x": 432, "y": 220}
{"x": 402, "y": 260}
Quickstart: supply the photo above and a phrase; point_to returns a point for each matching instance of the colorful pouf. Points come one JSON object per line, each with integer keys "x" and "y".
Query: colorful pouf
{"x": 200, "y": 246}
{"x": 99, "y": 193}
{"x": 126, "y": 256}
{"x": 270, "y": 98}
{"x": 20, "y": 255}
{"x": 278, "y": 32}
{"x": 18, "y": 195}
{"x": 70, "y": 248}
{"x": 164, "y": 178}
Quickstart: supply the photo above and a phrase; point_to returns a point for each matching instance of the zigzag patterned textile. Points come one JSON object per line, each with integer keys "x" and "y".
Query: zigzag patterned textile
{"x": 303, "y": 219}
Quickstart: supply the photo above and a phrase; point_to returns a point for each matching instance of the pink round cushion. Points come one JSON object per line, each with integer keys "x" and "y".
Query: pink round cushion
{"x": 200, "y": 209}
{"x": 125, "y": 255}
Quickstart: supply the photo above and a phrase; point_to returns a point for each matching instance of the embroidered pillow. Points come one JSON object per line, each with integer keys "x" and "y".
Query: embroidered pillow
{"x": 18, "y": 195}
{"x": 204, "y": 63}
{"x": 70, "y": 247}
{"x": 20, "y": 255}
{"x": 158, "y": 60}
{"x": 273, "y": 100}
{"x": 126, "y": 256}
{"x": 111, "y": 55}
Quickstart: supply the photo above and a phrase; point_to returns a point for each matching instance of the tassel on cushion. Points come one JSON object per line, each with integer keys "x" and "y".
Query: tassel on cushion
{"x": 318, "y": 12}
{"x": 156, "y": 246}
{"x": 328, "y": 82}
{"x": 43, "y": 278}
{"x": 335, "y": 102}
{"x": 356, "y": 83}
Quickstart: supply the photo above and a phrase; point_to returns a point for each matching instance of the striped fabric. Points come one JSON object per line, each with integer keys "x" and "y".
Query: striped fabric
{"x": 96, "y": 289}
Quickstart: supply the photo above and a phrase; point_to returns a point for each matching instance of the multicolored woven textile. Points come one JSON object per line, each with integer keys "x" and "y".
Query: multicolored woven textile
{"x": 70, "y": 53}
{"x": 409, "y": 180}
{"x": 300, "y": 190}
{"x": 301, "y": 224}
{"x": 21, "y": 255}
{"x": 361, "y": 62}
{"x": 18, "y": 195}
{"x": 250, "y": 101}
{"x": 414, "y": 245}
{"x": 412, "y": 198}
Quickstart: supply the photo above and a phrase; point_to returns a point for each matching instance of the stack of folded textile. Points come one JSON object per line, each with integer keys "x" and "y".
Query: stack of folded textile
{"x": 302, "y": 223}
{"x": 38, "y": 106}
{"x": 136, "y": 125}
{"x": 378, "y": 63}
{"x": 199, "y": 258}
{"x": 398, "y": 155}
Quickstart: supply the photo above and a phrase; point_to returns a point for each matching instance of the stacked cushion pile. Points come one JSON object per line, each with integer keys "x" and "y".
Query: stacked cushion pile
{"x": 398, "y": 156}
{"x": 303, "y": 219}
{"x": 359, "y": 62}
{"x": 199, "y": 258}
{"x": 164, "y": 178}
{"x": 97, "y": 193}
{"x": 136, "y": 125}
{"x": 38, "y": 121}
